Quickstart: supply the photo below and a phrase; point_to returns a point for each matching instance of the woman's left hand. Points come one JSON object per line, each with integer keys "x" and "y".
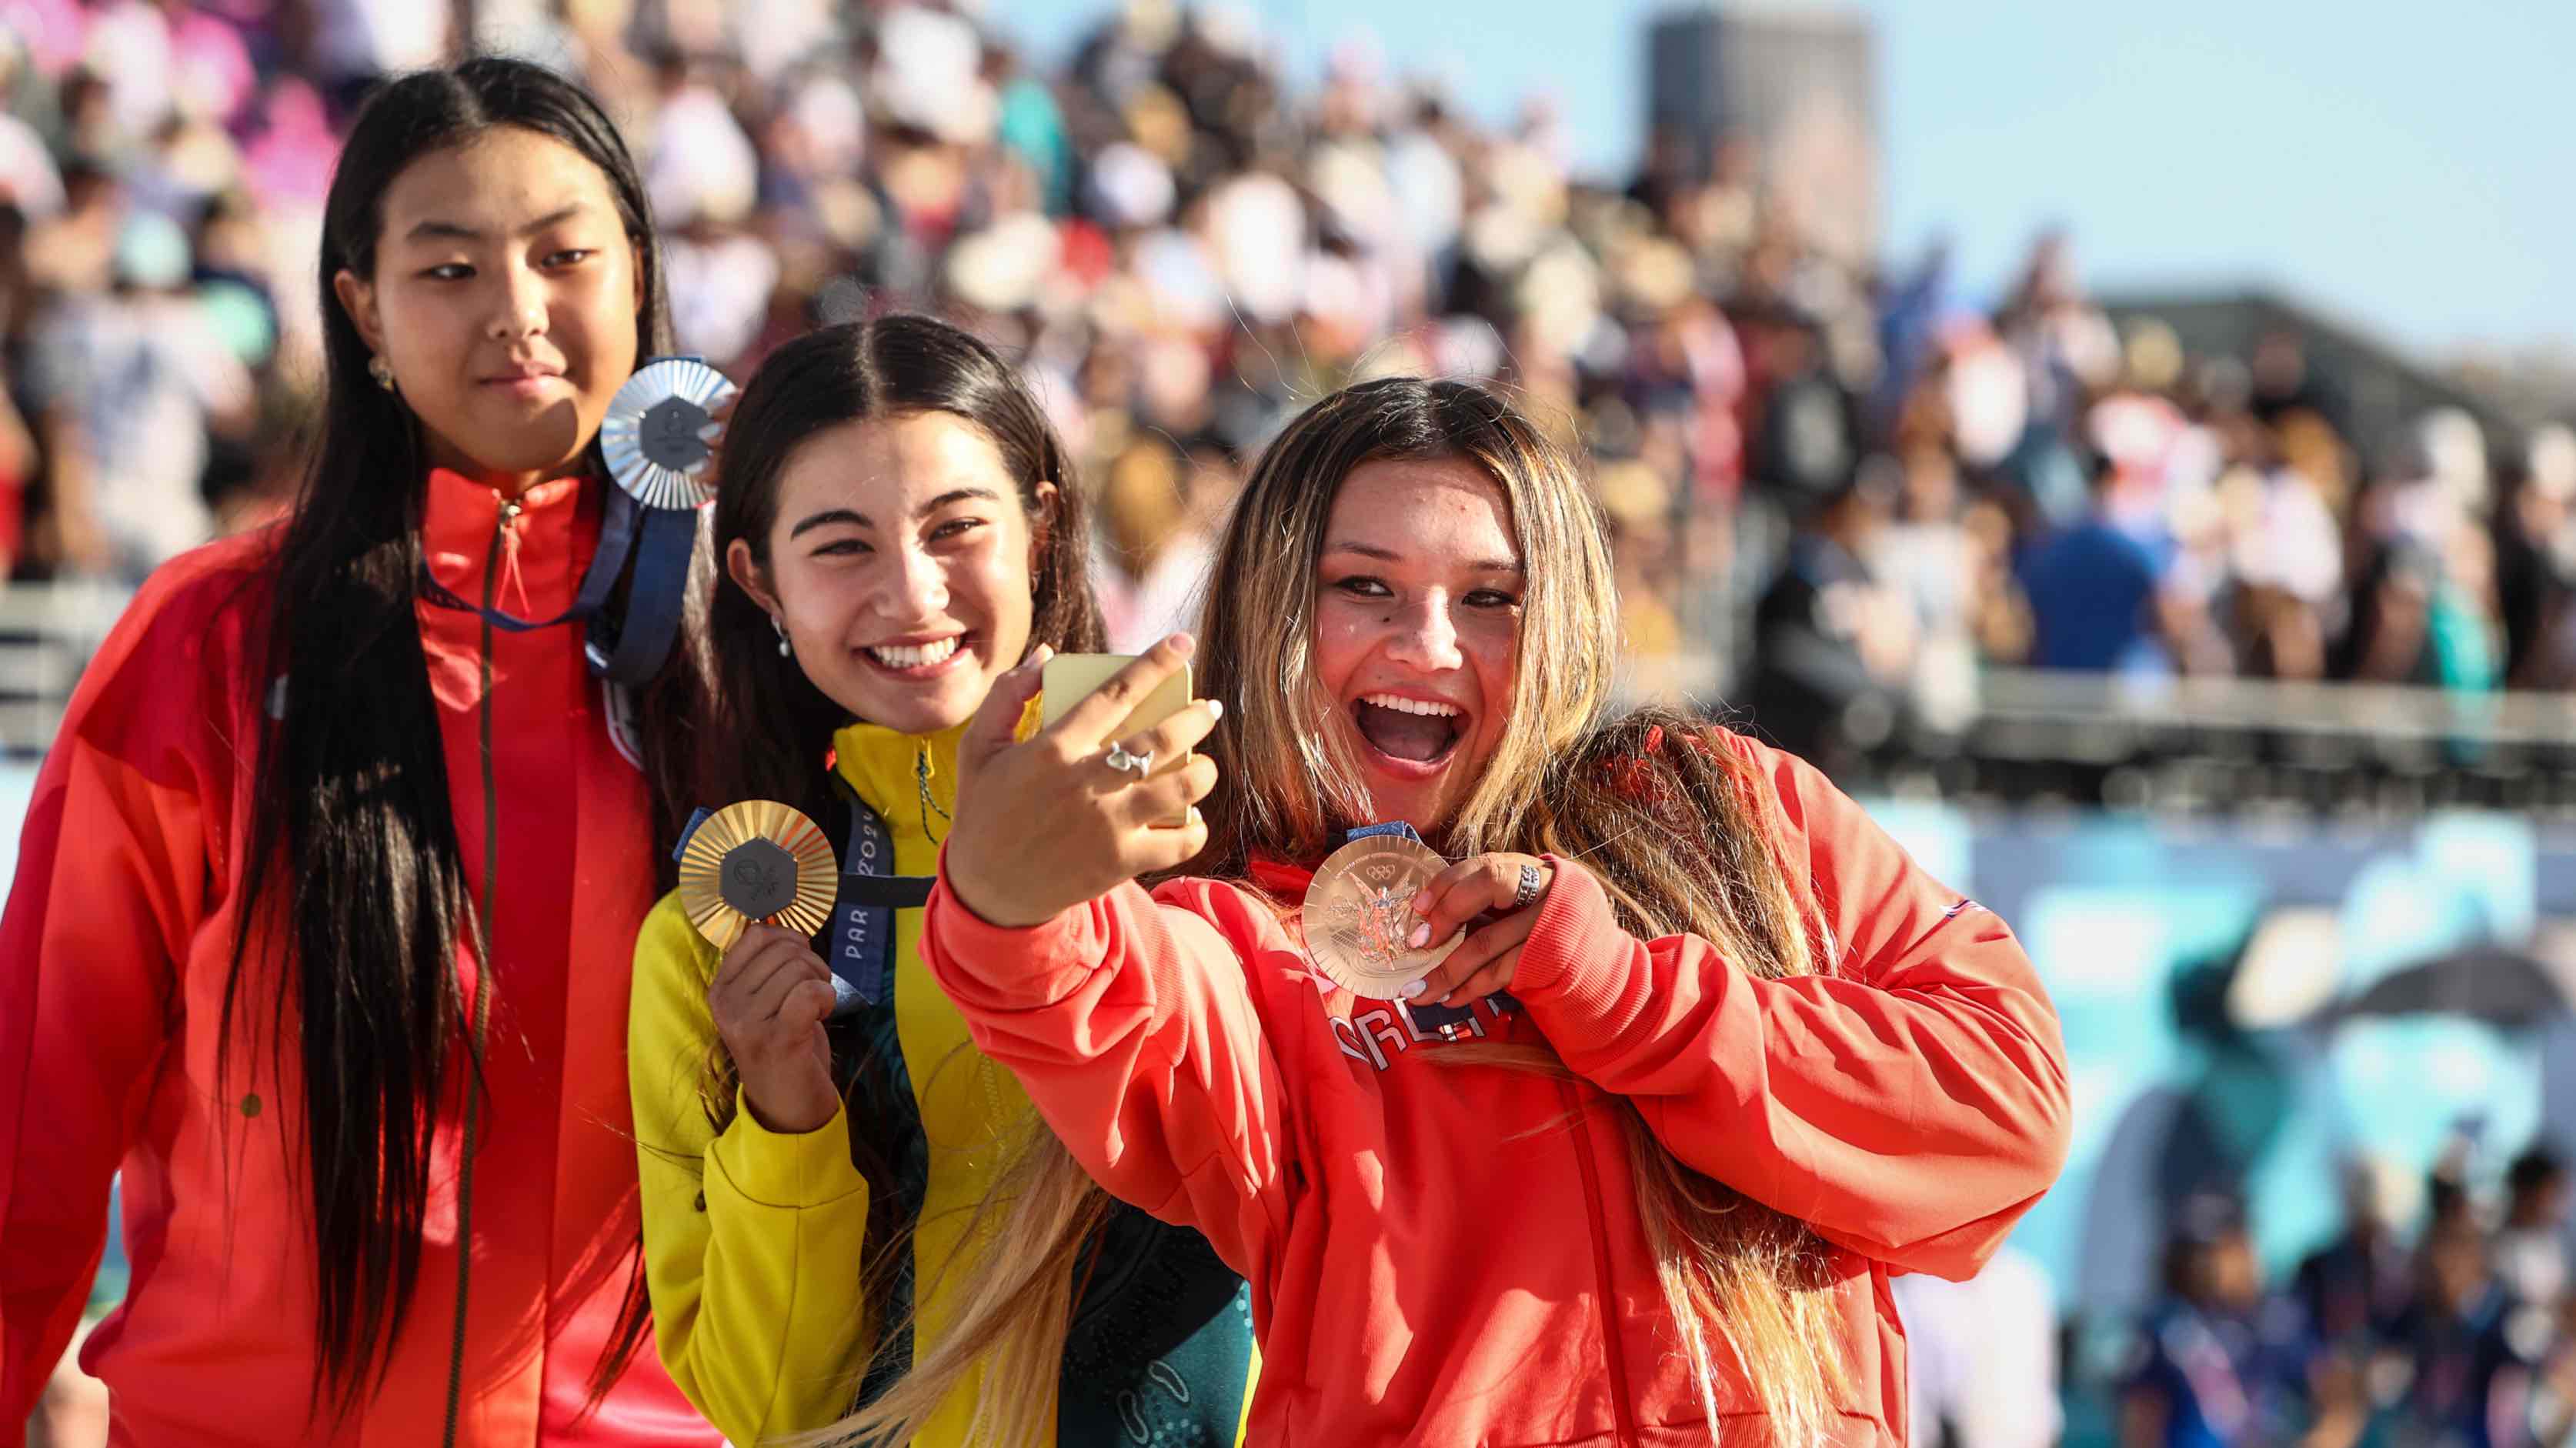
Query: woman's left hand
{"x": 1483, "y": 962}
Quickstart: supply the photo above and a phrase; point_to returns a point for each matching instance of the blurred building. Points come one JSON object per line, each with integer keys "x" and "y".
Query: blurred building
{"x": 1790, "y": 96}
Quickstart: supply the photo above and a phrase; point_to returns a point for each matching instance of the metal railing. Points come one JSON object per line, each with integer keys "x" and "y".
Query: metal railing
{"x": 48, "y": 631}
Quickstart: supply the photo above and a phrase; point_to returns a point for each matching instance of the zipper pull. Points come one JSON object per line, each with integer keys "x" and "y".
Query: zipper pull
{"x": 504, "y": 559}
{"x": 921, "y": 777}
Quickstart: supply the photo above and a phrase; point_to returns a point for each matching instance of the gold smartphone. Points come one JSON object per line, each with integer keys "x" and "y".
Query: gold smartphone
{"x": 1071, "y": 677}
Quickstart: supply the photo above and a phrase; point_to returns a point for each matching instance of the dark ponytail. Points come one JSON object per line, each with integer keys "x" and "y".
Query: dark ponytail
{"x": 354, "y": 887}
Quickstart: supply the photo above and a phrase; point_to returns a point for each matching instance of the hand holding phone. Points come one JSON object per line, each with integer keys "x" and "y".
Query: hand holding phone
{"x": 1095, "y": 798}
{"x": 1072, "y": 678}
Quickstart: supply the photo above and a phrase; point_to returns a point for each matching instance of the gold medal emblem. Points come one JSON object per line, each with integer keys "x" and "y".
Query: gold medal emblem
{"x": 1359, "y": 911}
{"x": 757, "y": 862}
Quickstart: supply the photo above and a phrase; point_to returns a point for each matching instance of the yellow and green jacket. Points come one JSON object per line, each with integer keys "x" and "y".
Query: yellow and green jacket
{"x": 755, "y": 1242}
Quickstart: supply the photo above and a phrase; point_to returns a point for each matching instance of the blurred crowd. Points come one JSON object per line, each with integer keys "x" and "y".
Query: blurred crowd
{"x": 1834, "y": 479}
{"x": 2462, "y": 1337}
{"x": 2458, "y": 1331}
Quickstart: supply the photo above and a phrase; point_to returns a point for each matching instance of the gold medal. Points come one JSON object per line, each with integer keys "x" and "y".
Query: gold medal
{"x": 757, "y": 862}
{"x": 1359, "y": 912}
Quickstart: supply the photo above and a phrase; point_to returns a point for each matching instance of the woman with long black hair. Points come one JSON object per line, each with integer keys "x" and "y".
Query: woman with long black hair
{"x": 321, "y": 921}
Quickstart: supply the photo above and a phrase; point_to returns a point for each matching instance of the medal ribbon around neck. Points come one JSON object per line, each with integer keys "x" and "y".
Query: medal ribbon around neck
{"x": 658, "y": 439}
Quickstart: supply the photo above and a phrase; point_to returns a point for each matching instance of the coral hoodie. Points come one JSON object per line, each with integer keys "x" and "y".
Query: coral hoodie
{"x": 1454, "y": 1256}
{"x": 113, "y": 957}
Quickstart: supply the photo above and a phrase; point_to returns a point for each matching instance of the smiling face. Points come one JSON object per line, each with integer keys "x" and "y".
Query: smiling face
{"x": 900, "y": 563}
{"x": 504, "y": 298}
{"x": 1417, "y": 630}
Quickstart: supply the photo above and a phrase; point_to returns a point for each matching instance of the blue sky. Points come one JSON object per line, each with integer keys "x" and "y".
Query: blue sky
{"x": 2410, "y": 168}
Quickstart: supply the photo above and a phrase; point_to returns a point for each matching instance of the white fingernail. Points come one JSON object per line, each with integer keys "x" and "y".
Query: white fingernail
{"x": 1421, "y": 935}
{"x": 1413, "y": 988}
{"x": 1216, "y": 709}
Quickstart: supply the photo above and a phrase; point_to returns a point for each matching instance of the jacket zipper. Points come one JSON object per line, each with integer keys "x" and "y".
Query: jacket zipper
{"x": 1614, "y": 1354}
{"x": 986, "y": 1072}
{"x": 484, "y": 982}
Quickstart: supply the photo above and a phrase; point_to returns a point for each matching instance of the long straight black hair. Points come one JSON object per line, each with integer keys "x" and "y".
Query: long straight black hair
{"x": 354, "y": 885}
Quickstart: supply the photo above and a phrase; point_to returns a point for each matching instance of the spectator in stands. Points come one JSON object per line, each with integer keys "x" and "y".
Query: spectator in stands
{"x": 1946, "y": 569}
{"x": 2355, "y": 1287}
{"x": 1154, "y": 548}
{"x": 29, "y": 178}
{"x": 2531, "y": 1243}
{"x": 1834, "y": 645}
{"x": 2536, "y": 565}
{"x": 2454, "y": 1337}
{"x": 2090, "y": 588}
{"x": 2423, "y": 617}
{"x": 129, "y": 387}
{"x": 2218, "y": 1365}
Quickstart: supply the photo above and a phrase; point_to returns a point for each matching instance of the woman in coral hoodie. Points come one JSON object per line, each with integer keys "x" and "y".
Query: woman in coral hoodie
{"x": 321, "y": 921}
{"x": 1728, "y": 1060}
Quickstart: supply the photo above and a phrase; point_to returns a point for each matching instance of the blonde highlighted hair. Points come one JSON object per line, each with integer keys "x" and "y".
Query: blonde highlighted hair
{"x": 1014, "y": 1272}
{"x": 1676, "y": 824}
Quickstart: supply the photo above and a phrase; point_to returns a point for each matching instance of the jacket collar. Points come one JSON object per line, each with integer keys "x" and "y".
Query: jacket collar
{"x": 543, "y": 551}
{"x": 910, "y": 780}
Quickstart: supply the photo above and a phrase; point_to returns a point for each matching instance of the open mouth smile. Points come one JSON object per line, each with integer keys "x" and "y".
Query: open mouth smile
{"x": 1412, "y": 738}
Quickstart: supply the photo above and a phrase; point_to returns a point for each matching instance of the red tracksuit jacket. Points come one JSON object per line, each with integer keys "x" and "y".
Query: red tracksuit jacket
{"x": 113, "y": 956}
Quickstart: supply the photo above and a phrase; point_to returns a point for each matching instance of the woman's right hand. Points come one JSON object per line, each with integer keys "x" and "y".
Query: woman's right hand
{"x": 770, "y": 998}
{"x": 1045, "y": 825}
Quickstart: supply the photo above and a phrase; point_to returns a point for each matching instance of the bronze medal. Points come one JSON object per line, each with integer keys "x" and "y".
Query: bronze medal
{"x": 1359, "y": 911}
{"x": 757, "y": 862}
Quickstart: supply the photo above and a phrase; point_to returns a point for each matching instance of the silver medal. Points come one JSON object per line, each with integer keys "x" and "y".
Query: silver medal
{"x": 660, "y": 429}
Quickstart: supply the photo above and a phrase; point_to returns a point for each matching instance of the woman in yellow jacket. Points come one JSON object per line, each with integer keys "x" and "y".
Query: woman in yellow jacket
{"x": 844, "y": 1202}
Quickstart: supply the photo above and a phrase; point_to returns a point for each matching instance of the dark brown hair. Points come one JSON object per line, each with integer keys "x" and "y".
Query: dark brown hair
{"x": 765, "y": 738}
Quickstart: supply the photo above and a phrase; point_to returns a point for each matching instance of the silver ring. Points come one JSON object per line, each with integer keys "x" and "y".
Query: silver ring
{"x": 1120, "y": 758}
{"x": 1527, "y": 895}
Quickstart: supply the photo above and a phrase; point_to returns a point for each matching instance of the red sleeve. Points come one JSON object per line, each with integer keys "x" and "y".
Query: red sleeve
{"x": 1132, "y": 1026}
{"x": 110, "y": 887}
{"x": 1910, "y": 1105}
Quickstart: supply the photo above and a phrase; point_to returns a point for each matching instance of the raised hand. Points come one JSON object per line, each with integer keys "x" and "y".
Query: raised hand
{"x": 1046, "y": 824}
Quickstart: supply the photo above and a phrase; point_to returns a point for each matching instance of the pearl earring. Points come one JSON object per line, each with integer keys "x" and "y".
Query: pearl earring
{"x": 382, "y": 371}
{"x": 784, "y": 651}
